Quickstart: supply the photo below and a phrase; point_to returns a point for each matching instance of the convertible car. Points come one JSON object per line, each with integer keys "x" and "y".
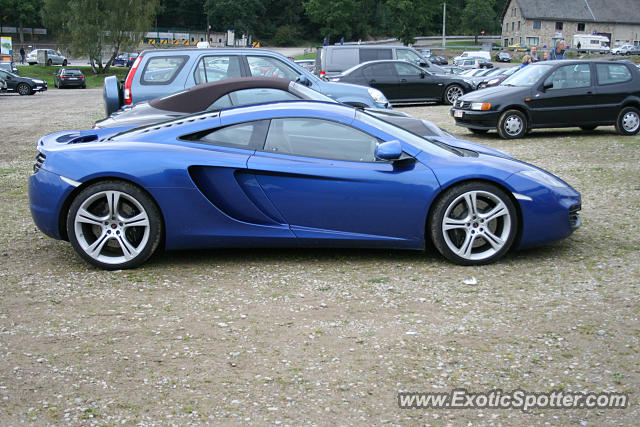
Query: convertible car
{"x": 296, "y": 173}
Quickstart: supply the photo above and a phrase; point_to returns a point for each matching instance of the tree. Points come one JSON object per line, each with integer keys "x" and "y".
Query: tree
{"x": 479, "y": 15}
{"x": 409, "y": 19}
{"x": 239, "y": 15}
{"x": 21, "y": 13}
{"x": 338, "y": 18}
{"x": 102, "y": 26}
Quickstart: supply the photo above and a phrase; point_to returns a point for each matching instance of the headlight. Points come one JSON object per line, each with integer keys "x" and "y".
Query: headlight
{"x": 493, "y": 81}
{"x": 480, "y": 106}
{"x": 543, "y": 178}
{"x": 38, "y": 81}
{"x": 377, "y": 96}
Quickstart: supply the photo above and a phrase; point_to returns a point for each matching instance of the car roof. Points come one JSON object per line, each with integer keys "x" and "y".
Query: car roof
{"x": 226, "y": 50}
{"x": 199, "y": 97}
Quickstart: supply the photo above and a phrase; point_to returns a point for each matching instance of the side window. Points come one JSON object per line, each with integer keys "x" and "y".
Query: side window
{"x": 407, "y": 55}
{"x": 220, "y": 103}
{"x": 407, "y": 70}
{"x": 162, "y": 69}
{"x": 264, "y": 66}
{"x": 612, "y": 73}
{"x": 375, "y": 54}
{"x": 260, "y": 95}
{"x": 321, "y": 139}
{"x": 244, "y": 135}
{"x": 570, "y": 77}
{"x": 214, "y": 68}
{"x": 379, "y": 70}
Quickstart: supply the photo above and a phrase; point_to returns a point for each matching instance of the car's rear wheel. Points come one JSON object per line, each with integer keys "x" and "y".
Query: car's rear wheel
{"x": 473, "y": 223}
{"x": 452, "y": 93}
{"x": 64, "y": 63}
{"x": 23, "y": 89}
{"x": 49, "y": 62}
{"x": 114, "y": 225}
{"x": 512, "y": 124}
{"x": 628, "y": 122}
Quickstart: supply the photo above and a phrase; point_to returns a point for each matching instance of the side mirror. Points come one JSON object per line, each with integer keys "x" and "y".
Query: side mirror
{"x": 424, "y": 64}
{"x": 391, "y": 150}
{"x": 303, "y": 80}
{"x": 423, "y": 75}
{"x": 547, "y": 85}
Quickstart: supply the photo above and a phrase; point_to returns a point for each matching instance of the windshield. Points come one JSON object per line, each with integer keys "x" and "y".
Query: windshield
{"x": 527, "y": 76}
{"x": 423, "y": 144}
{"x": 304, "y": 92}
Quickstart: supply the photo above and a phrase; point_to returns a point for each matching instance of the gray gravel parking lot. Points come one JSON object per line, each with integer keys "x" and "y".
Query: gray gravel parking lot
{"x": 327, "y": 337}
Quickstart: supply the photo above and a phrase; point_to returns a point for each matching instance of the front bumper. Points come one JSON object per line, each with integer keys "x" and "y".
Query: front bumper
{"x": 47, "y": 191}
{"x": 475, "y": 119}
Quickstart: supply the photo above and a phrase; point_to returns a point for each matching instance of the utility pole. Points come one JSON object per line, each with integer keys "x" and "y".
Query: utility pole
{"x": 444, "y": 23}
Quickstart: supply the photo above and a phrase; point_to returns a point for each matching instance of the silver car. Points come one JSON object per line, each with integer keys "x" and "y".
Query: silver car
{"x": 53, "y": 57}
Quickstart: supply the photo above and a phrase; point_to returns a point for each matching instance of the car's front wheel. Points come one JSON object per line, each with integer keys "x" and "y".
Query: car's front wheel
{"x": 24, "y": 89}
{"x": 452, "y": 93}
{"x": 628, "y": 122}
{"x": 512, "y": 124}
{"x": 114, "y": 225}
{"x": 473, "y": 223}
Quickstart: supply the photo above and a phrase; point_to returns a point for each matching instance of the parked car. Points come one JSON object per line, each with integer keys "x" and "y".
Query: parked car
{"x": 438, "y": 60}
{"x": 332, "y": 60}
{"x": 125, "y": 59}
{"x": 22, "y": 85}
{"x": 53, "y": 57}
{"x": 3, "y": 85}
{"x": 160, "y": 72}
{"x": 307, "y": 64}
{"x": 626, "y": 49}
{"x": 69, "y": 77}
{"x": 518, "y": 48}
{"x": 554, "y": 94}
{"x": 426, "y": 53}
{"x": 496, "y": 79}
{"x": 289, "y": 174}
{"x": 9, "y": 66}
{"x": 484, "y": 74}
{"x": 471, "y": 63}
{"x": 503, "y": 57}
{"x": 472, "y": 54}
{"x": 402, "y": 81}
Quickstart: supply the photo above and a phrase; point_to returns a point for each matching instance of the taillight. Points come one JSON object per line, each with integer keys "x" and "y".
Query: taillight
{"x": 322, "y": 73}
{"x": 82, "y": 76}
{"x": 127, "y": 83}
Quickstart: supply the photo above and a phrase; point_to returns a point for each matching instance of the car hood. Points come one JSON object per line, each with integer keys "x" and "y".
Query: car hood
{"x": 495, "y": 91}
{"x": 472, "y": 146}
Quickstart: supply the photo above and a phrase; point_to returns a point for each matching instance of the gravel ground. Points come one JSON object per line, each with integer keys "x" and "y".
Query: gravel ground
{"x": 319, "y": 337}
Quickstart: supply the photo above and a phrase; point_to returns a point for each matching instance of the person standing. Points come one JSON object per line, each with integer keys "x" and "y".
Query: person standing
{"x": 559, "y": 51}
{"x": 22, "y": 53}
{"x": 534, "y": 54}
{"x": 526, "y": 60}
{"x": 579, "y": 44}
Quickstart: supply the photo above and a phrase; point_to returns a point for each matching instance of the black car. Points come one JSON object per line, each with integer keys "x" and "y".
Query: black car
{"x": 22, "y": 85}
{"x": 243, "y": 91}
{"x": 402, "y": 81}
{"x": 69, "y": 77}
{"x": 503, "y": 57}
{"x": 554, "y": 94}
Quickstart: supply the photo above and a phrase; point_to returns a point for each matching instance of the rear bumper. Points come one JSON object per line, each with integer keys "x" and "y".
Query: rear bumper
{"x": 476, "y": 119}
{"x": 72, "y": 83}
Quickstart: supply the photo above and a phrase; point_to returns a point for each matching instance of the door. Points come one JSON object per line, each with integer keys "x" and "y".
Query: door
{"x": 324, "y": 180}
{"x": 415, "y": 83}
{"x": 383, "y": 77}
{"x": 614, "y": 84}
{"x": 569, "y": 99}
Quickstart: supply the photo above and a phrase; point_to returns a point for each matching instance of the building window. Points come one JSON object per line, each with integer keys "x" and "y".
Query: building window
{"x": 580, "y": 26}
{"x": 513, "y": 24}
{"x": 533, "y": 41}
{"x": 558, "y": 26}
{"x": 537, "y": 25}
{"x": 518, "y": 25}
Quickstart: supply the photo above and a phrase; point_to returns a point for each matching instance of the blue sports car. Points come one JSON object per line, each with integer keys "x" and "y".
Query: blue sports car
{"x": 296, "y": 173}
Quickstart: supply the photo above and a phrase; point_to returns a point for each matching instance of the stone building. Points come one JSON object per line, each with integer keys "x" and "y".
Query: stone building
{"x": 542, "y": 22}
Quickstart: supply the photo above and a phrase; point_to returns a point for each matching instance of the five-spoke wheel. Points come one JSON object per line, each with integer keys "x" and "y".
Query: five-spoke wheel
{"x": 473, "y": 223}
{"x": 114, "y": 225}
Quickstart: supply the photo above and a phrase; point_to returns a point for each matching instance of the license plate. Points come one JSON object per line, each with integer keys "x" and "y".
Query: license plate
{"x": 73, "y": 78}
{"x": 458, "y": 113}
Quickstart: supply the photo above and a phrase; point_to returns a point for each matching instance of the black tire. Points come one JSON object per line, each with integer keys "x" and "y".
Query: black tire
{"x": 588, "y": 128}
{"x": 84, "y": 86}
{"x": 479, "y": 131}
{"x": 64, "y": 63}
{"x": 451, "y": 93}
{"x": 24, "y": 89}
{"x": 124, "y": 237}
{"x": 49, "y": 62}
{"x": 475, "y": 236}
{"x": 628, "y": 122}
{"x": 512, "y": 124}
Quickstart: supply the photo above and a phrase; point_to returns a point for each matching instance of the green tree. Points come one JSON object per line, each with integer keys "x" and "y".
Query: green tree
{"x": 338, "y": 18}
{"x": 100, "y": 28}
{"x": 21, "y": 13}
{"x": 479, "y": 15}
{"x": 409, "y": 19}
{"x": 238, "y": 15}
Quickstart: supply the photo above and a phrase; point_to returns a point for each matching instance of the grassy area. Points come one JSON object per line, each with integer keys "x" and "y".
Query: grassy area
{"x": 311, "y": 55}
{"x": 93, "y": 80}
